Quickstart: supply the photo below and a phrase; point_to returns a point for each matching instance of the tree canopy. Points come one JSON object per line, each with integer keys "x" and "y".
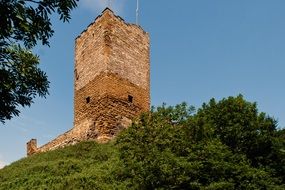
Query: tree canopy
{"x": 24, "y": 24}
{"x": 225, "y": 145}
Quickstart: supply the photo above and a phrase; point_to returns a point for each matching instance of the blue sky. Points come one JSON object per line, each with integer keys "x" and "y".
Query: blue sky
{"x": 199, "y": 49}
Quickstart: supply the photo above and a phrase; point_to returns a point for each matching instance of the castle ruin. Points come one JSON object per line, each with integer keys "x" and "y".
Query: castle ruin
{"x": 111, "y": 81}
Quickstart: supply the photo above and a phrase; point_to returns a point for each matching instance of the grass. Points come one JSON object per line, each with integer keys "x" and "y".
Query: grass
{"x": 87, "y": 165}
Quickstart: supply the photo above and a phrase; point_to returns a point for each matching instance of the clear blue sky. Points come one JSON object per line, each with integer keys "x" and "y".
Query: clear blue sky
{"x": 199, "y": 49}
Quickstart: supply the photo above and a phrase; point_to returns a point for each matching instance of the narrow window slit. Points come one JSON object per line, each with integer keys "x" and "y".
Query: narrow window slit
{"x": 130, "y": 98}
{"x": 76, "y": 74}
{"x": 87, "y": 99}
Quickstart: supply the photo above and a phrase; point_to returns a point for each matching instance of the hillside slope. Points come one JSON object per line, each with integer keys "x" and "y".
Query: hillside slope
{"x": 87, "y": 165}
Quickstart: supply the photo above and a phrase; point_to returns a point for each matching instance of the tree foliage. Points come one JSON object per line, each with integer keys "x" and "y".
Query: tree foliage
{"x": 225, "y": 145}
{"x": 23, "y": 24}
{"x": 239, "y": 125}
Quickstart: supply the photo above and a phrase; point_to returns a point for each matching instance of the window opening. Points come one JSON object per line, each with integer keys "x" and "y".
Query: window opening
{"x": 130, "y": 98}
{"x": 87, "y": 99}
{"x": 76, "y": 74}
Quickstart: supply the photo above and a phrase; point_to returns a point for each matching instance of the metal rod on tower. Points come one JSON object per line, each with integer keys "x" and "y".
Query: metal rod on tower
{"x": 137, "y": 13}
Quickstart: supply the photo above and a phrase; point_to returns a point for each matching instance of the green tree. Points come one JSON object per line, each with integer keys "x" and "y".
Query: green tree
{"x": 23, "y": 24}
{"x": 169, "y": 149}
{"x": 239, "y": 125}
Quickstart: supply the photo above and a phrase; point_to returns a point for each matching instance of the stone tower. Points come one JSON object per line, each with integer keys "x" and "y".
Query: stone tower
{"x": 111, "y": 81}
{"x": 112, "y": 75}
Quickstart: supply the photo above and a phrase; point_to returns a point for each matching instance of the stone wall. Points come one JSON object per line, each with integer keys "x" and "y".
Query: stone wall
{"x": 129, "y": 52}
{"x": 90, "y": 57}
{"x": 108, "y": 84}
{"x": 32, "y": 147}
{"x": 104, "y": 126}
{"x": 111, "y": 45}
{"x": 111, "y": 60}
{"x": 70, "y": 137}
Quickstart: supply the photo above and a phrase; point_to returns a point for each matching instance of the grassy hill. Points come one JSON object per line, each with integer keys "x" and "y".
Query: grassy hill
{"x": 87, "y": 165}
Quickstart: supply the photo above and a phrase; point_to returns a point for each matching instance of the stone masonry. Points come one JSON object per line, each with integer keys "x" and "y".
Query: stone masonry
{"x": 111, "y": 81}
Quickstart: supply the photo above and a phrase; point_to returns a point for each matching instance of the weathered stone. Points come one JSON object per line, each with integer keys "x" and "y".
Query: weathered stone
{"x": 31, "y": 147}
{"x": 111, "y": 81}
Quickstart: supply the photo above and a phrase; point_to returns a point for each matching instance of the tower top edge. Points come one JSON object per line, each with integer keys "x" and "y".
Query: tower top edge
{"x": 111, "y": 13}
